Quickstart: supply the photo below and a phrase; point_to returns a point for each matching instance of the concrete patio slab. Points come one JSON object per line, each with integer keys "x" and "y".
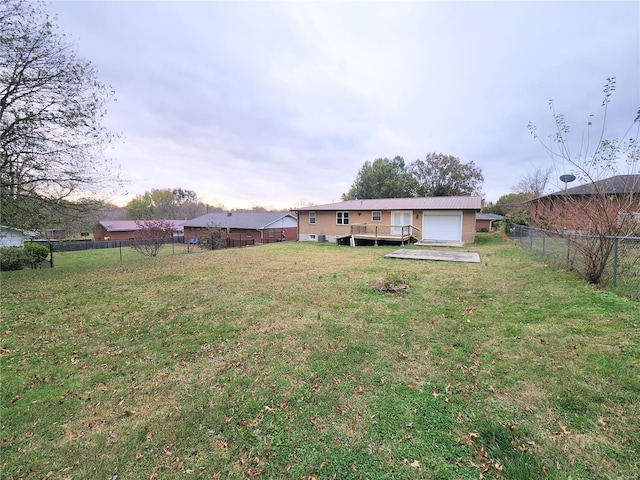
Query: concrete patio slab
{"x": 438, "y": 255}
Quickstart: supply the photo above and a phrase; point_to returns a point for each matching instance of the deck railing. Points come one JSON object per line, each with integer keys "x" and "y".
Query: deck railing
{"x": 376, "y": 232}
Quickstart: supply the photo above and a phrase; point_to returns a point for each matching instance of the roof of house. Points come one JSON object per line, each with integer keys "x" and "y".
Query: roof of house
{"x": 488, "y": 216}
{"x": 246, "y": 220}
{"x": 27, "y": 233}
{"x": 412, "y": 203}
{"x": 619, "y": 184}
{"x": 132, "y": 225}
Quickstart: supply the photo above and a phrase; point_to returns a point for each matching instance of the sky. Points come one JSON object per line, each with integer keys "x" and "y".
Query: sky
{"x": 279, "y": 104}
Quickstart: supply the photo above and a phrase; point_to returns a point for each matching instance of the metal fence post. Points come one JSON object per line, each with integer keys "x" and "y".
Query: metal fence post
{"x": 615, "y": 261}
{"x": 530, "y": 233}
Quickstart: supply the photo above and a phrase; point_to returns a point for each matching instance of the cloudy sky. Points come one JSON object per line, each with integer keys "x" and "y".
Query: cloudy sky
{"x": 280, "y": 103}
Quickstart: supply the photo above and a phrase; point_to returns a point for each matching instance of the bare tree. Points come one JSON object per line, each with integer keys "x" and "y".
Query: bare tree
{"x": 51, "y": 108}
{"x": 151, "y": 236}
{"x": 605, "y": 206}
{"x": 534, "y": 184}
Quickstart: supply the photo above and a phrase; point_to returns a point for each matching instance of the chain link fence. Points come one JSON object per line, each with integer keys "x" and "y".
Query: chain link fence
{"x": 622, "y": 270}
{"x": 177, "y": 245}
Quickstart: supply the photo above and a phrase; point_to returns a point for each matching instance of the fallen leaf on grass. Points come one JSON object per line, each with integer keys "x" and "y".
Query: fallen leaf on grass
{"x": 563, "y": 429}
{"x": 469, "y": 438}
{"x": 415, "y": 464}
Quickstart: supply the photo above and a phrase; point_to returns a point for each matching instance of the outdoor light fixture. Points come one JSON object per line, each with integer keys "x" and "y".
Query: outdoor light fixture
{"x": 567, "y": 178}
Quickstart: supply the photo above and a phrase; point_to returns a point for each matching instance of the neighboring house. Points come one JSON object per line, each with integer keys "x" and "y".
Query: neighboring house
{"x": 485, "y": 221}
{"x": 437, "y": 219}
{"x": 261, "y": 227}
{"x": 577, "y": 208}
{"x": 54, "y": 233}
{"x": 14, "y": 237}
{"x": 126, "y": 229}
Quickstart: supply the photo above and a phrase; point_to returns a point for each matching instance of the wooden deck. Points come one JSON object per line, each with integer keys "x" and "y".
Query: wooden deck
{"x": 379, "y": 233}
{"x": 375, "y": 239}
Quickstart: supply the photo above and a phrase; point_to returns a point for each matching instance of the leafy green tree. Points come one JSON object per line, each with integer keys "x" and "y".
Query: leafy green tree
{"x": 51, "y": 107}
{"x": 140, "y": 207}
{"x": 510, "y": 204}
{"x": 165, "y": 203}
{"x": 382, "y": 178}
{"x": 440, "y": 175}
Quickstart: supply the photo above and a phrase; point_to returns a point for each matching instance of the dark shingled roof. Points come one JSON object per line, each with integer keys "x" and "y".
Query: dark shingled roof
{"x": 619, "y": 184}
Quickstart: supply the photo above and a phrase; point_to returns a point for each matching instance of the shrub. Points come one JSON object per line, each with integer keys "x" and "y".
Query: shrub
{"x": 150, "y": 237}
{"x": 35, "y": 253}
{"x": 214, "y": 238}
{"x": 12, "y": 258}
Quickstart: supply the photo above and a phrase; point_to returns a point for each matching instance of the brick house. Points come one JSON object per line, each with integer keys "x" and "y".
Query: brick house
{"x": 581, "y": 208}
{"x": 436, "y": 219}
{"x": 257, "y": 227}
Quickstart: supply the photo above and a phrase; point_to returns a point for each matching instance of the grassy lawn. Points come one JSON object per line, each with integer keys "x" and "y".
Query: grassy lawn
{"x": 287, "y": 361}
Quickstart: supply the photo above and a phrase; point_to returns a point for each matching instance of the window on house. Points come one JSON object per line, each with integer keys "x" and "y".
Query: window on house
{"x": 248, "y": 234}
{"x": 312, "y": 218}
{"x": 342, "y": 218}
{"x": 376, "y": 216}
{"x": 272, "y": 233}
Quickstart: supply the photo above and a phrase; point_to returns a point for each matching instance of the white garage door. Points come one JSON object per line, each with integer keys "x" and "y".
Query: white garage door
{"x": 442, "y": 226}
